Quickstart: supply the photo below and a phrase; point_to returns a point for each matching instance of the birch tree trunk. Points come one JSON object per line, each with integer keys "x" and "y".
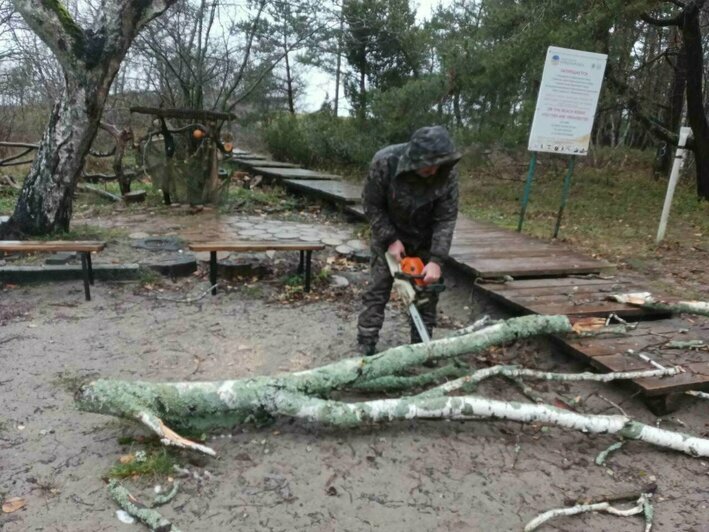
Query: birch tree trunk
{"x": 203, "y": 406}
{"x": 90, "y": 59}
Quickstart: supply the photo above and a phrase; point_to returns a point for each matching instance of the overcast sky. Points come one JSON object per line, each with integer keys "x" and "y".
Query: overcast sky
{"x": 318, "y": 84}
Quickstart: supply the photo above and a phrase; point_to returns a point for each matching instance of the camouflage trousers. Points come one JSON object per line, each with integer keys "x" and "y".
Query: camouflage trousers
{"x": 377, "y": 295}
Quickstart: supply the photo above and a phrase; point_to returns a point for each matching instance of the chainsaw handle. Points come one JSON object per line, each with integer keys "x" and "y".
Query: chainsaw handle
{"x": 408, "y": 276}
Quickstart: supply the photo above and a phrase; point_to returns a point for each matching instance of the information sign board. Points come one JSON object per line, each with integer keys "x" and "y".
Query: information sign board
{"x": 566, "y": 106}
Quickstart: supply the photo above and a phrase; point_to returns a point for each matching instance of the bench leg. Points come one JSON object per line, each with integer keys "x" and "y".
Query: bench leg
{"x": 91, "y": 268}
{"x": 302, "y": 261}
{"x": 309, "y": 255}
{"x": 213, "y": 271}
{"x": 85, "y": 271}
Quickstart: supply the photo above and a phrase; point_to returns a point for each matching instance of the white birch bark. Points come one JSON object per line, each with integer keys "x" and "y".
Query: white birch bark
{"x": 645, "y": 299}
{"x": 223, "y": 404}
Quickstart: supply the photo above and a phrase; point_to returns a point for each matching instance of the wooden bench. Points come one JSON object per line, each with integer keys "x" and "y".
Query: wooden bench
{"x": 305, "y": 248}
{"x": 83, "y": 247}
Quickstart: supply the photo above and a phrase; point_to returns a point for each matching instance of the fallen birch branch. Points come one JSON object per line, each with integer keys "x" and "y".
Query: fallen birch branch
{"x": 150, "y": 517}
{"x": 642, "y": 506}
{"x": 645, "y": 300}
{"x": 347, "y": 415}
{"x": 603, "y": 455}
{"x": 204, "y": 406}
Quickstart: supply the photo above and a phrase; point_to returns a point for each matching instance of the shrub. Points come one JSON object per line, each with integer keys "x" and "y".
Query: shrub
{"x": 320, "y": 139}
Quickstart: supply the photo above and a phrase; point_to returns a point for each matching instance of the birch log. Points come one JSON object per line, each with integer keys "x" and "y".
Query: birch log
{"x": 645, "y": 299}
{"x": 151, "y": 518}
{"x": 204, "y": 406}
{"x": 642, "y": 506}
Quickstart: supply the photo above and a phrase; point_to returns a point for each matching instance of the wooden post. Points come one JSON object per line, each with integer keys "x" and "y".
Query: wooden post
{"x": 527, "y": 190}
{"x": 564, "y": 194}
{"x": 684, "y": 133}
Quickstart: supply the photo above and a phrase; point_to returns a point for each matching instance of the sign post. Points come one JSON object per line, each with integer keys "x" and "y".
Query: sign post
{"x": 684, "y": 134}
{"x": 563, "y": 118}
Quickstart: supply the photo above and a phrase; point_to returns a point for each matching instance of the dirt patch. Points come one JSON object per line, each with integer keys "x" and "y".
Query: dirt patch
{"x": 293, "y": 476}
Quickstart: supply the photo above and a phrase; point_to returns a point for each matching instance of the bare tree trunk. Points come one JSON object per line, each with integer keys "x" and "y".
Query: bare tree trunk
{"x": 289, "y": 86}
{"x": 674, "y": 111}
{"x": 362, "y": 111}
{"x": 90, "y": 60}
{"x": 338, "y": 70}
{"x": 45, "y": 202}
{"x": 692, "y": 34}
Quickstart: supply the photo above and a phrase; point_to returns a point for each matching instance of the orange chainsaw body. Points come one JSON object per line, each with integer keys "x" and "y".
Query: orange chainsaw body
{"x": 413, "y": 266}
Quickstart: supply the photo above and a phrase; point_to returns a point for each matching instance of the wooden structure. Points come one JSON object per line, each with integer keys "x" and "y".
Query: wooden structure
{"x": 84, "y": 248}
{"x": 279, "y": 174}
{"x": 249, "y": 162}
{"x": 488, "y": 251}
{"x": 339, "y": 192}
{"x": 572, "y": 297}
{"x": 586, "y": 297}
{"x": 665, "y": 342}
{"x": 305, "y": 248}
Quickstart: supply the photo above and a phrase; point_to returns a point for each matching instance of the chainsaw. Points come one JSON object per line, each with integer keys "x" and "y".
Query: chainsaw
{"x": 409, "y": 284}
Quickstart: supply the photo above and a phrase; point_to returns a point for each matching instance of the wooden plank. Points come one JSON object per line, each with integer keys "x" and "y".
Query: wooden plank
{"x": 696, "y": 377}
{"x": 590, "y": 304}
{"x": 533, "y": 263}
{"x": 337, "y": 191}
{"x": 510, "y": 253}
{"x": 255, "y": 245}
{"x": 612, "y": 354}
{"x": 571, "y": 291}
{"x": 560, "y": 282}
{"x": 29, "y": 246}
{"x": 523, "y": 268}
{"x": 293, "y": 173}
{"x": 356, "y": 209}
{"x": 598, "y": 309}
{"x": 599, "y": 347}
{"x": 575, "y": 299}
{"x": 264, "y": 163}
{"x": 490, "y": 251}
{"x": 248, "y": 155}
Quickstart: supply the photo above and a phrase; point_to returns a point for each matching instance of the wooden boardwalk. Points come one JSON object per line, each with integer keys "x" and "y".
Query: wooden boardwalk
{"x": 339, "y": 192}
{"x": 249, "y": 162}
{"x": 655, "y": 340}
{"x": 572, "y": 297}
{"x": 546, "y": 280}
{"x": 488, "y": 251}
{"x": 580, "y": 298}
{"x": 293, "y": 173}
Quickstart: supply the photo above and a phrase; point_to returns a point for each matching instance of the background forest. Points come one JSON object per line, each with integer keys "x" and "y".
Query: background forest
{"x": 473, "y": 65}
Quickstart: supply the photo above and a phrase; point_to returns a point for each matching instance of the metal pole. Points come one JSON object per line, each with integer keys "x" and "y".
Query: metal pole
{"x": 674, "y": 177}
{"x": 527, "y": 189}
{"x": 565, "y": 194}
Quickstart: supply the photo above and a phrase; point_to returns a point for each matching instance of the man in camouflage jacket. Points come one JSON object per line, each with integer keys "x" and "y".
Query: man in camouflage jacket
{"x": 411, "y": 201}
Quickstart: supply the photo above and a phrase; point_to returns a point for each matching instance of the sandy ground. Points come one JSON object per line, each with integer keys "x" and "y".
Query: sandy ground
{"x": 290, "y": 476}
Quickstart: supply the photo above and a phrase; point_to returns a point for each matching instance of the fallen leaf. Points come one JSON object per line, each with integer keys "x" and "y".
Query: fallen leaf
{"x": 126, "y": 459}
{"x": 13, "y": 504}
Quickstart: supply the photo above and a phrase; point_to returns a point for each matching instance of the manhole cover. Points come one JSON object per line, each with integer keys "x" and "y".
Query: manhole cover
{"x": 159, "y": 244}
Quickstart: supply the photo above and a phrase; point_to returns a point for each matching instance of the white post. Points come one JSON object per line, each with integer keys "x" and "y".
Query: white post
{"x": 684, "y": 133}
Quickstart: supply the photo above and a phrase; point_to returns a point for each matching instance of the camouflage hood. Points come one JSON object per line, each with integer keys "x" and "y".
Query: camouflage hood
{"x": 429, "y": 146}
